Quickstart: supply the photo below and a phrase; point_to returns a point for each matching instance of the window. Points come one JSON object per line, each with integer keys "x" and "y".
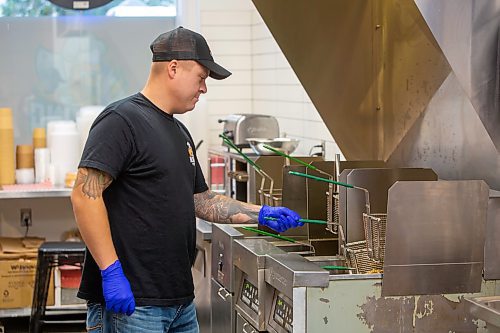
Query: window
{"x": 56, "y": 62}
{"x": 129, "y": 8}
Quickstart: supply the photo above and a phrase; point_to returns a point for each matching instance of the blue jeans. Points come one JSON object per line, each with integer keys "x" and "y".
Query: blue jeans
{"x": 145, "y": 319}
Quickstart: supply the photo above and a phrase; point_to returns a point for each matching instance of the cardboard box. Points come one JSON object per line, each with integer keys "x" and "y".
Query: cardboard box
{"x": 15, "y": 248}
{"x": 17, "y": 273}
{"x": 17, "y": 282}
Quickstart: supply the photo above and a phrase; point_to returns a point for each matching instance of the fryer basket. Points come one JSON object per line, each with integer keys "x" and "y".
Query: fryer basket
{"x": 357, "y": 257}
{"x": 271, "y": 197}
{"x": 375, "y": 226}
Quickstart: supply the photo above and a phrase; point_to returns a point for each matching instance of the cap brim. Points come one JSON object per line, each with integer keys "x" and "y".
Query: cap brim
{"x": 216, "y": 71}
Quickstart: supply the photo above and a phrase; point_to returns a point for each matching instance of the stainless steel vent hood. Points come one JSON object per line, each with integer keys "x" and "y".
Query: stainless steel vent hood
{"x": 412, "y": 82}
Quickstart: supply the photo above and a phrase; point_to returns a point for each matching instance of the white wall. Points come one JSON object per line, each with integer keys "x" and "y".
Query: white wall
{"x": 227, "y": 26}
{"x": 51, "y": 217}
{"x": 262, "y": 81}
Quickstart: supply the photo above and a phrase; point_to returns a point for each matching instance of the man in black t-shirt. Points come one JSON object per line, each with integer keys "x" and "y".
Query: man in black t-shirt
{"x": 138, "y": 191}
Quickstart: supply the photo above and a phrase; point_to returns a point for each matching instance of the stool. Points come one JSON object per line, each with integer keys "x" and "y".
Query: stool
{"x": 50, "y": 255}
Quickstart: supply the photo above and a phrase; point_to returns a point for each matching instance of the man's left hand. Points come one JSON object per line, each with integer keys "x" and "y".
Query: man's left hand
{"x": 279, "y": 218}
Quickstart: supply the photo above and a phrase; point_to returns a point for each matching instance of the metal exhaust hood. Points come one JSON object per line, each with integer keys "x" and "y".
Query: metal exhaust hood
{"x": 414, "y": 83}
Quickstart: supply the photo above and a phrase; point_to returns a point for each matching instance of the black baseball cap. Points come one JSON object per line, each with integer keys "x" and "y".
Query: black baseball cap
{"x": 184, "y": 44}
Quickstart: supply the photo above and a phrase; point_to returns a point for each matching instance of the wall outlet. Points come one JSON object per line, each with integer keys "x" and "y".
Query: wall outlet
{"x": 26, "y": 217}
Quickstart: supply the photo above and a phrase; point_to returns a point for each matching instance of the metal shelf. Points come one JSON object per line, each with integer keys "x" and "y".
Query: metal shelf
{"x": 52, "y": 193}
{"x": 51, "y": 310}
{"x": 18, "y": 312}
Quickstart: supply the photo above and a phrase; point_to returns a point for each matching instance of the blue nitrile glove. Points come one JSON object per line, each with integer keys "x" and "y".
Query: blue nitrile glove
{"x": 116, "y": 290}
{"x": 279, "y": 218}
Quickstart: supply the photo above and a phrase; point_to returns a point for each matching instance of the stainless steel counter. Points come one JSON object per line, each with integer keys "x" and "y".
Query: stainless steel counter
{"x": 33, "y": 194}
{"x": 203, "y": 230}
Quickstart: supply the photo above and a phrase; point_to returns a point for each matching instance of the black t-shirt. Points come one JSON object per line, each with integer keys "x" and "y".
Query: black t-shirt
{"x": 150, "y": 202}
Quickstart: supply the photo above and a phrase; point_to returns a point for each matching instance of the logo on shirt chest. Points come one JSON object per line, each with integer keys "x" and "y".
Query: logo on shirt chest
{"x": 190, "y": 153}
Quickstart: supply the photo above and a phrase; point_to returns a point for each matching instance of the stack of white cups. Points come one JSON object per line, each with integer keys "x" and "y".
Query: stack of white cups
{"x": 63, "y": 140}
{"x": 42, "y": 165}
{"x": 25, "y": 171}
{"x": 84, "y": 119}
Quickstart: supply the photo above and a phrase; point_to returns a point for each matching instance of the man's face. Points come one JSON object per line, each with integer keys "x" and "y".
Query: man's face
{"x": 189, "y": 85}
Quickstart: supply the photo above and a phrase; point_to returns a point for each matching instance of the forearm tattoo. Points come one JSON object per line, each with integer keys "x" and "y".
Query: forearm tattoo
{"x": 221, "y": 209}
{"x": 94, "y": 182}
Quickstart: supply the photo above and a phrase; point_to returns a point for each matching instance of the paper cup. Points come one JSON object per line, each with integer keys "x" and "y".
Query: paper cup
{"x": 24, "y": 157}
{"x": 5, "y": 118}
{"x": 39, "y": 138}
{"x": 25, "y": 176}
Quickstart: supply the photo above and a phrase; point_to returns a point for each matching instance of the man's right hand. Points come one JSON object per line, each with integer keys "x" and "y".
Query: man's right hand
{"x": 116, "y": 290}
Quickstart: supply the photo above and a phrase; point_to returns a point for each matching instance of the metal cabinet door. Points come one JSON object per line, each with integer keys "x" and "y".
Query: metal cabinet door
{"x": 222, "y": 309}
{"x": 243, "y": 326}
{"x": 201, "y": 278}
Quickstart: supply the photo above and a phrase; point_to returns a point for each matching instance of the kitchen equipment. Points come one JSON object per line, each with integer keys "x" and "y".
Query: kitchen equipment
{"x": 265, "y": 233}
{"x": 492, "y": 246}
{"x": 366, "y": 255}
{"x": 424, "y": 134}
{"x": 252, "y": 295}
{"x": 202, "y": 275}
{"x": 445, "y": 252}
{"x": 375, "y": 226}
{"x": 286, "y": 145}
{"x": 486, "y": 308}
{"x": 367, "y": 196}
{"x": 239, "y": 127}
{"x": 222, "y": 281}
{"x": 295, "y": 159}
{"x": 357, "y": 257}
{"x": 288, "y": 277}
{"x": 240, "y": 180}
{"x": 335, "y": 265}
{"x": 331, "y": 211}
{"x": 215, "y": 175}
{"x": 367, "y": 220}
{"x": 268, "y": 196}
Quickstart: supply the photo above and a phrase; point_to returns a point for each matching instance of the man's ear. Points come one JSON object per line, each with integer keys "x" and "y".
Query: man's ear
{"x": 172, "y": 68}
